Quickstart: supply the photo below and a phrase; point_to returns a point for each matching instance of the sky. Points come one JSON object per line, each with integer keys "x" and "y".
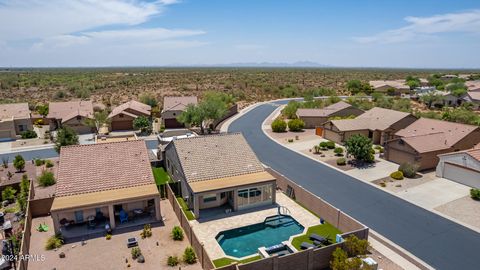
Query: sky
{"x": 353, "y": 33}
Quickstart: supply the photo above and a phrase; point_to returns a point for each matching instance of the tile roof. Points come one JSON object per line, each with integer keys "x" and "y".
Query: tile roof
{"x": 70, "y": 109}
{"x": 474, "y": 153}
{"x": 178, "y": 103}
{"x": 474, "y": 96}
{"x": 374, "y": 119}
{"x": 398, "y": 84}
{"x": 216, "y": 156}
{"x": 426, "y": 135}
{"x": 142, "y": 108}
{"x": 106, "y": 166}
{"x": 15, "y": 111}
{"x": 473, "y": 85}
{"x": 324, "y": 112}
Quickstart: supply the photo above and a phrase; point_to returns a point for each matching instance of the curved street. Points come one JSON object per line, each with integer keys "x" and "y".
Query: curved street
{"x": 438, "y": 241}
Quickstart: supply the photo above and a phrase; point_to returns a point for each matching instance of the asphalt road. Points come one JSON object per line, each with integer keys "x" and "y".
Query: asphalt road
{"x": 438, "y": 241}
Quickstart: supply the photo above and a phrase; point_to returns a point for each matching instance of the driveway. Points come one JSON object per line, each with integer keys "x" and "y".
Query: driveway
{"x": 438, "y": 241}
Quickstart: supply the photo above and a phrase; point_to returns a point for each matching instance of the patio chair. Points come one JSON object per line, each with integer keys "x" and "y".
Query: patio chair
{"x": 317, "y": 238}
{"x": 305, "y": 245}
{"x": 99, "y": 217}
{"x": 123, "y": 216}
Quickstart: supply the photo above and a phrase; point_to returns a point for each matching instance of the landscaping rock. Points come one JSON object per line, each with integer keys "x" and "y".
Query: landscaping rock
{"x": 61, "y": 255}
{"x": 141, "y": 259}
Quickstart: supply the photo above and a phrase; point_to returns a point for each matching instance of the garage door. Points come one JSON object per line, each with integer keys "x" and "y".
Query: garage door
{"x": 400, "y": 157}
{"x": 122, "y": 125}
{"x": 333, "y": 136}
{"x": 173, "y": 123}
{"x": 5, "y": 135}
{"x": 81, "y": 129}
{"x": 461, "y": 175}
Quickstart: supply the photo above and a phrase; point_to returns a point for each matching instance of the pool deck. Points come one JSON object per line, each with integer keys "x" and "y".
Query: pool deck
{"x": 207, "y": 230}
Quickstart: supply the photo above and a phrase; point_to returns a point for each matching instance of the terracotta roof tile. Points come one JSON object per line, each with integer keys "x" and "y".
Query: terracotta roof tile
{"x": 15, "y": 111}
{"x": 107, "y": 166}
{"x": 324, "y": 112}
{"x": 143, "y": 109}
{"x": 70, "y": 109}
{"x": 373, "y": 119}
{"x": 178, "y": 103}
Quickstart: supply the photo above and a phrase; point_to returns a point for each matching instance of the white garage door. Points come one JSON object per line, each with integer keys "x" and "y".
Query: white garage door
{"x": 461, "y": 175}
{"x": 5, "y": 135}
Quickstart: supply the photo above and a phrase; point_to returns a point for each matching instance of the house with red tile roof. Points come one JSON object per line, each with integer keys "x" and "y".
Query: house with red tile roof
{"x": 15, "y": 118}
{"x": 104, "y": 183}
{"x": 425, "y": 139}
{"x": 461, "y": 166}
{"x": 173, "y": 107}
{"x": 396, "y": 86}
{"x": 316, "y": 117}
{"x": 71, "y": 114}
{"x": 123, "y": 115}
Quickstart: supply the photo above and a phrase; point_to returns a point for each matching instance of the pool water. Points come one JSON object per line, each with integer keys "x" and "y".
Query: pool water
{"x": 246, "y": 240}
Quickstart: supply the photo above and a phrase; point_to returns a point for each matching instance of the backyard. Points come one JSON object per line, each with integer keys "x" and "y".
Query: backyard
{"x": 325, "y": 230}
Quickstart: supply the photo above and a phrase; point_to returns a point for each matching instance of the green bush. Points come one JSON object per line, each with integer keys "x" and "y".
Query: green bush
{"x": 54, "y": 242}
{"x": 172, "y": 261}
{"x": 46, "y": 179}
{"x": 323, "y": 145}
{"x": 279, "y": 125}
{"x": 136, "y": 252}
{"x": 8, "y": 194}
{"x": 28, "y": 134}
{"x": 39, "y": 162}
{"x": 397, "y": 175}
{"x": 338, "y": 151}
{"x": 189, "y": 256}
{"x": 296, "y": 125}
{"x": 475, "y": 194}
{"x": 177, "y": 233}
{"x": 48, "y": 163}
{"x": 408, "y": 169}
{"x": 19, "y": 163}
{"x": 360, "y": 147}
{"x": 330, "y": 145}
{"x": 355, "y": 246}
{"x": 341, "y": 161}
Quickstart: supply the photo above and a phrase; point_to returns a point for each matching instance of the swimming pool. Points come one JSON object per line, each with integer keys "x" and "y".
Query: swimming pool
{"x": 245, "y": 241}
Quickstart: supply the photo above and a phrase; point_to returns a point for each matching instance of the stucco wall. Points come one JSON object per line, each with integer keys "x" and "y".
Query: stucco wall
{"x": 462, "y": 159}
{"x": 7, "y": 129}
{"x": 26, "y": 122}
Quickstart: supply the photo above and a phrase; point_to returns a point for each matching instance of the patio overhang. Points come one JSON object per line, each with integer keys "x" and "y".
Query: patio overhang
{"x": 103, "y": 197}
{"x": 230, "y": 182}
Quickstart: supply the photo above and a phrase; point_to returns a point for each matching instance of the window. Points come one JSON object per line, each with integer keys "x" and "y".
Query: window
{"x": 79, "y": 117}
{"x": 209, "y": 198}
{"x": 22, "y": 128}
{"x": 222, "y": 195}
{"x": 79, "y": 216}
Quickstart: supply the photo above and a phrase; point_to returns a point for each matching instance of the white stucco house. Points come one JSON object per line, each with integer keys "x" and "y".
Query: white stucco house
{"x": 462, "y": 167}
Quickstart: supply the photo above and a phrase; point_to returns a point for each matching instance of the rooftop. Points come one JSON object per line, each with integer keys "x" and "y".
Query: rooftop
{"x": 399, "y": 84}
{"x": 70, "y": 109}
{"x": 324, "y": 112}
{"x": 14, "y": 111}
{"x": 227, "y": 154}
{"x": 133, "y": 105}
{"x": 100, "y": 167}
{"x": 374, "y": 119}
{"x": 178, "y": 103}
{"x": 426, "y": 135}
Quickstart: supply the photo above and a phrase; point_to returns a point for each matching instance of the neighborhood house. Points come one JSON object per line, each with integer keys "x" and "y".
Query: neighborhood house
{"x": 378, "y": 124}
{"x": 99, "y": 184}
{"x": 219, "y": 171}
{"x": 123, "y": 115}
{"x": 173, "y": 107}
{"x": 14, "y": 119}
{"x": 396, "y": 86}
{"x": 462, "y": 167}
{"x": 422, "y": 141}
{"x": 71, "y": 114}
{"x": 315, "y": 117}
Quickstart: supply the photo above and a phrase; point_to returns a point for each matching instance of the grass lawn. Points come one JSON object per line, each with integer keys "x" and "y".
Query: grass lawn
{"x": 183, "y": 204}
{"x": 227, "y": 261}
{"x": 161, "y": 176}
{"x": 325, "y": 230}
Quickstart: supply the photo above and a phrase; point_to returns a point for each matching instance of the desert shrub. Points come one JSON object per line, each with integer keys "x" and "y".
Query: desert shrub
{"x": 48, "y": 163}
{"x": 323, "y": 145}
{"x": 39, "y": 122}
{"x": 279, "y": 125}
{"x": 177, "y": 233}
{"x": 290, "y": 140}
{"x": 108, "y": 236}
{"x": 296, "y": 125}
{"x": 330, "y": 145}
{"x": 338, "y": 151}
{"x": 54, "y": 242}
{"x": 28, "y": 134}
{"x": 147, "y": 231}
{"x": 172, "y": 261}
{"x": 46, "y": 179}
{"x": 397, "y": 175}
{"x": 341, "y": 161}
{"x": 136, "y": 252}
{"x": 408, "y": 169}
{"x": 8, "y": 194}
{"x": 189, "y": 256}
{"x": 316, "y": 149}
{"x": 475, "y": 194}
{"x": 39, "y": 162}
{"x": 355, "y": 246}
{"x": 19, "y": 163}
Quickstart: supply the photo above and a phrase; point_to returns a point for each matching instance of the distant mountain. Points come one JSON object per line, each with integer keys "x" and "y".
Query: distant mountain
{"x": 261, "y": 64}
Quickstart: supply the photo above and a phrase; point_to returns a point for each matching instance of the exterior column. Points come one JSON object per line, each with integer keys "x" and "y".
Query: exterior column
{"x": 158, "y": 213}
{"x": 235, "y": 199}
{"x": 111, "y": 215}
{"x": 274, "y": 192}
{"x": 56, "y": 223}
{"x": 196, "y": 205}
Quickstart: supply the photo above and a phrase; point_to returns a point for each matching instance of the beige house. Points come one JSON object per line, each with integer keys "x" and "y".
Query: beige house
{"x": 398, "y": 86}
{"x": 14, "y": 119}
{"x": 377, "y": 124}
{"x": 104, "y": 183}
{"x": 173, "y": 107}
{"x": 462, "y": 167}
{"x": 316, "y": 117}
{"x": 219, "y": 172}
{"x": 71, "y": 114}
{"x": 474, "y": 98}
{"x": 425, "y": 139}
{"x": 473, "y": 86}
{"x": 123, "y": 115}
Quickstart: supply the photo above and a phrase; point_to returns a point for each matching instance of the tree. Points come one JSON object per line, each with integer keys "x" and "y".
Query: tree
{"x": 99, "y": 119}
{"x": 19, "y": 163}
{"x": 290, "y": 111}
{"x": 431, "y": 98}
{"x": 148, "y": 99}
{"x": 296, "y": 125}
{"x": 42, "y": 109}
{"x": 355, "y": 246}
{"x": 279, "y": 125}
{"x": 191, "y": 116}
{"x": 23, "y": 196}
{"x": 339, "y": 257}
{"x": 46, "y": 179}
{"x": 65, "y": 136}
{"x": 8, "y": 194}
{"x": 357, "y": 86}
{"x": 210, "y": 109}
{"x": 412, "y": 82}
{"x": 142, "y": 123}
{"x": 360, "y": 147}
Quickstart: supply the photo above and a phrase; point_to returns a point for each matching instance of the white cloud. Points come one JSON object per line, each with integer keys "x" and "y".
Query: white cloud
{"x": 466, "y": 22}
{"x": 143, "y": 34}
{"x": 249, "y": 47}
{"x": 30, "y": 19}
